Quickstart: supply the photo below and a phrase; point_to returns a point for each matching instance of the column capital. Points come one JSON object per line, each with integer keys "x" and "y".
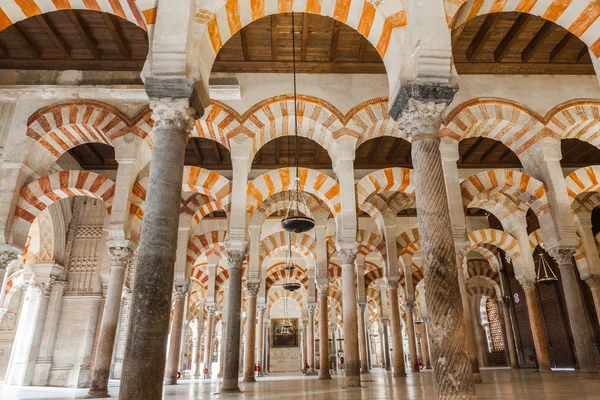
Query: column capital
{"x": 120, "y": 251}
{"x": 252, "y": 288}
{"x": 323, "y": 289}
{"x": 312, "y": 307}
{"x": 180, "y": 291}
{"x": 304, "y": 323}
{"x": 176, "y": 113}
{"x": 527, "y": 283}
{"x": 235, "y": 251}
{"x": 347, "y": 252}
{"x": 422, "y": 119}
{"x": 409, "y": 305}
{"x": 563, "y": 255}
{"x": 262, "y": 308}
{"x": 391, "y": 283}
{"x": 362, "y": 306}
{"x": 385, "y": 321}
{"x": 211, "y": 309}
{"x": 438, "y": 92}
{"x": 6, "y": 257}
{"x": 593, "y": 281}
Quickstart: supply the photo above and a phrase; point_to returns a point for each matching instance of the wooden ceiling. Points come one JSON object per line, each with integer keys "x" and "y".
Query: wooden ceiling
{"x": 517, "y": 43}
{"x": 71, "y": 39}
{"x": 323, "y": 45}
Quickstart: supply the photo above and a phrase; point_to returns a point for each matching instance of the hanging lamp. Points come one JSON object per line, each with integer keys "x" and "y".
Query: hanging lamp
{"x": 289, "y": 266}
{"x": 545, "y": 274}
{"x": 286, "y": 328}
{"x": 294, "y": 221}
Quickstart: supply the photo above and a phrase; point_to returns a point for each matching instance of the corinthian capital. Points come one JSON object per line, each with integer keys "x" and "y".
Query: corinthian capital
{"x": 175, "y": 113}
{"x": 563, "y": 255}
{"x": 180, "y": 291}
{"x": 6, "y": 257}
{"x": 236, "y": 253}
{"x": 347, "y": 252}
{"x": 252, "y": 288}
{"x": 422, "y": 119}
{"x": 120, "y": 251}
{"x": 323, "y": 288}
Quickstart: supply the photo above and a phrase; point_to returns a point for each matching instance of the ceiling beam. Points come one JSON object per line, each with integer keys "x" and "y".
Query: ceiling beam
{"x": 316, "y": 158}
{"x": 585, "y": 153}
{"x": 456, "y": 34}
{"x": 304, "y": 44}
{"x": 84, "y": 33}
{"x": 537, "y": 40}
{"x": 29, "y": 44}
{"x": 278, "y": 150}
{"x": 407, "y": 155}
{"x": 582, "y": 53}
{"x": 54, "y": 36}
{"x": 197, "y": 151}
{"x": 3, "y": 51}
{"x": 489, "y": 151}
{"x": 216, "y": 151}
{"x": 335, "y": 36}
{"x": 245, "y": 50}
{"x": 274, "y": 37}
{"x": 375, "y": 149}
{"x": 394, "y": 150}
{"x": 511, "y": 36}
{"x": 481, "y": 36}
{"x": 117, "y": 34}
{"x": 560, "y": 47}
{"x": 575, "y": 147}
{"x": 362, "y": 48}
{"x": 504, "y": 155}
{"x": 471, "y": 149}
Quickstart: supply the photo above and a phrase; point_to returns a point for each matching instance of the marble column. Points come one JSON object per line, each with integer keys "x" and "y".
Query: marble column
{"x": 503, "y": 306}
{"x": 144, "y": 370}
{"x": 323, "y": 290}
{"x": 120, "y": 254}
{"x": 386, "y": 344}
{"x": 252, "y": 291}
{"x": 537, "y": 326}
{"x": 398, "y": 349}
{"x": 426, "y": 357}
{"x": 369, "y": 348}
{"x": 260, "y": 338}
{"x": 575, "y": 311}
{"x": 468, "y": 324}
{"x": 208, "y": 340}
{"x": 364, "y": 366}
{"x": 236, "y": 254}
{"x": 594, "y": 284}
{"x": 480, "y": 339}
{"x": 422, "y": 120}
{"x": 351, "y": 356}
{"x": 198, "y": 349}
{"x": 304, "y": 345}
{"x": 222, "y": 349}
{"x": 180, "y": 294}
{"x": 333, "y": 329}
{"x": 409, "y": 305}
{"x": 310, "y": 339}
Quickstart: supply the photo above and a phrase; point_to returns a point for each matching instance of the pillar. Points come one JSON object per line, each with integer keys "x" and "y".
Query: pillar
{"x": 198, "y": 349}
{"x": 398, "y": 349}
{"x": 351, "y": 357}
{"x": 208, "y": 340}
{"x": 120, "y": 253}
{"x": 537, "y": 326}
{"x": 467, "y": 319}
{"x": 252, "y": 290}
{"x": 386, "y": 344}
{"x": 304, "y": 346}
{"x": 323, "y": 289}
{"x": 426, "y": 357}
{"x": 575, "y": 310}
{"x": 222, "y": 349}
{"x": 143, "y": 370}
{"x": 260, "y": 338}
{"x": 333, "y": 329}
{"x": 503, "y": 306}
{"x": 179, "y": 293}
{"x": 594, "y": 284}
{"x": 310, "y": 339}
{"x": 480, "y": 339}
{"x": 369, "y": 348}
{"x": 236, "y": 254}
{"x": 410, "y": 330}
{"x": 422, "y": 121}
{"x": 364, "y": 365}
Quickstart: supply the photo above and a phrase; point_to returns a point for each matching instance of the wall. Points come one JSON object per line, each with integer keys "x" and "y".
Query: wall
{"x": 285, "y": 359}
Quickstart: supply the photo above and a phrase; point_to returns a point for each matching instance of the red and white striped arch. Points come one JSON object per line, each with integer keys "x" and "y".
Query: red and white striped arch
{"x": 335, "y": 271}
{"x": 217, "y": 123}
{"x": 385, "y": 180}
{"x": 583, "y": 180}
{"x": 200, "y": 274}
{"x": 300, "y": 242}
{"x": 417, "y": 276}
{"x": 314, "y": 182}
{"x": 478, "y": 289}
{"x": 371, "y": 120}
{"x": 488, "y": 251}
{"x": 209, "y": 183}
{"x": 279, "y": 274}
{"x": 502, "y": 207}
{"x": 206, "y": 244}
{"x": 373, "y": 276}
{"x": 408, "y": 242}
{"x": 297, "y": 296}
{"x": 141, "y": 12}
{"x": 496, "y": 238}
{"x": 579, "y": 119}
{"x": 580, "y": 17}
{"x": 369, "y": 242}
{"x": 482, "y": 268}
{"x": 516, "y": 126}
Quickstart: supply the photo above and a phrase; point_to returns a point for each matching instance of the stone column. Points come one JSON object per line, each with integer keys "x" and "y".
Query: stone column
{"x": 386, "y": 344}
{"x": 252, "y": 291}
{"x": 504, "y": 306}
{"x": 222, "y": 349}
{"x": 369, "y": 348}
{"x": 179, "y": 293}
{"x": 334, "y": 347}
{"x": 120, "y": 254}
{"x": 537, "y": 326}
{"x": 426, "y": 358}
{"x": 480, "y": 340}
{"x": 236, "y": 254}
{"x": 422, "y": 121}
{"x": 410, "y": 330}
{"x": 575, "y": 310}
{"x": 6, "y": 257}
{"x": 323, "y": 289}
{"x": 398, "y": 353}
{"x": 260, "y": 339}
{"x": 304, "y": 346}
{"x": 144, "y": 370}
{"x": 208, "y": 340}
{"x": 310, "y": 339}
{"x": 198, "y": 350}
{"x": 468, "y": 324}
{"x": 351, "y": 357}
{"x": 594, "y": 284}
{"x": 364, "y": 366}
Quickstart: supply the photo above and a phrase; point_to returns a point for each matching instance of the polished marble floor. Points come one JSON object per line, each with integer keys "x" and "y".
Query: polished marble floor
{"x": 498, "y": 384}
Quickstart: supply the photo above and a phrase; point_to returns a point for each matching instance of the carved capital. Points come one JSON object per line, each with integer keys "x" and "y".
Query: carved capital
{"x": 312, "y": 307}
{"x": 262, "y": 308}
{"x": 253, "y": 288}
{"x": 391, "y": 283}
{"x": 6, "y": 257}
{"x": 211, "y": 309}
{"x": 323, "y": 289}
{"x": 120, "y": 252}
{"x": 563, "y": 255}
{"x": 422, "y": 119}
{"x": 593, "y": 281}
{"x": 461, "y": 253}
{"x": 347, "y": 252}
{"x": 409, "y": 305}
{"x": 362, "y": 307}
{"x": 385, "y": 321}
{"x": 180, "y": 291}
{"x": 173, "y": 113}
{"x": 527, "y": 284}
{"x": 236, "y": 253}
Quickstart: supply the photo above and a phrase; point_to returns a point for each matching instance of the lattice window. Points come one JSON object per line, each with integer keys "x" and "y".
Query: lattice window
{"x": 495, "y": 326}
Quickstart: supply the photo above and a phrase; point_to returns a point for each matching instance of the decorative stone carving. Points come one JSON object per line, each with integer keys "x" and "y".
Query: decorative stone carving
{"x": 323, "y": 289}
{"x": 8, "y": 320}
{"x": 211, "y": 309}
{"x": 7, "y": 257}
{"x": 563, "y": 255}
{"x": 593, "y": 281}
{"x": 253, "y": 288}
{"x": 180, "y": 291}
{"x": 385, "y": 321}
{"x": 422, "y": 119}
{"x": 120, "y": 251}
{"x": 391, "y": 284}
{"x": 262, "y": 308}
{"x": 409, "y": 305}
{"x": 312, "y": 307}
{"x": 236, "y": 254}
{"x": 347, "y": 252}
{"x": 362, "y": 307}
{"x": 173, "y": 113}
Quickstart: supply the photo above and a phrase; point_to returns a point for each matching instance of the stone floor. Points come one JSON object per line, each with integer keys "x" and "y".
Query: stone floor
{"x": 498, "y": 384}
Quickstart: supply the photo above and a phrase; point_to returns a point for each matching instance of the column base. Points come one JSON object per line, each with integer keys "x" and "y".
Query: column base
{"x": 248, "y": 379}
{"x": 312, "y": 372}
{"x": 97, "y": 394}
{"x": 323, "y": 377}
{"x": 477, "y": 377}
{"x": 364, "y": 371}
{"x": 170, "y": 381}
{"x": 400, "y": 374}
{"x": 588, "y": 375}
{"x": 352, "y": 382}
{"x": 230, "y": 386}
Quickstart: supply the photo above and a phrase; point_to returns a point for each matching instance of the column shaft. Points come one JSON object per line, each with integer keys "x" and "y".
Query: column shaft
{"x": 304, "y": 346}
{"x": 143, "y": 370}
{"x": 323, "y": 333}
{"x": 510, "y": 339}
{"x": 233, "y": 315}
{"x": 250, "y": 333}
{"x": 467, "y": 320}
{"x": 208, "y": 341}
{"x": 537, "y": 328}
{"x": 398, "y": 349}
{"x": 260, "y": 337}
{"x": 386, "y": 344}
{"x": 426, "y": 357}
{"x": 410, "y": 330}
{"x": 349, "y": 310}
{"x": 595, "y": 289}
{"x": 198, "y": 353}
{"x": 364, "y": 366}
{"x": 110, "y": 318}
{"x": 176, "y": 335}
